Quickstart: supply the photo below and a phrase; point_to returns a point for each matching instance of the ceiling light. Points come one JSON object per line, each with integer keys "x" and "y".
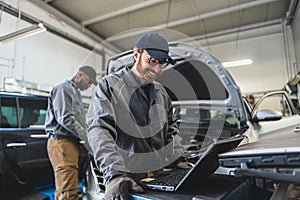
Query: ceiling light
{"x": 237, "y": 63}
{"x": 23, "y": 33}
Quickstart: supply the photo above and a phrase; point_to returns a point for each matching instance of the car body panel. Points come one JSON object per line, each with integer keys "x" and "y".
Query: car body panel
{"x": 280, "y": 128}
{"x": 27, "y": 155}
{"x": 275, "y": 160}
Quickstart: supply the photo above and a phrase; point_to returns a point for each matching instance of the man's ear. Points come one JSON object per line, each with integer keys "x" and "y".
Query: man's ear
{"x": 136, "y": 55}
{"x": 79, "y": 74}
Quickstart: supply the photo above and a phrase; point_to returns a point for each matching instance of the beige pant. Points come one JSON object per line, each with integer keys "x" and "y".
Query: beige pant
{"x": 64, "y": 157}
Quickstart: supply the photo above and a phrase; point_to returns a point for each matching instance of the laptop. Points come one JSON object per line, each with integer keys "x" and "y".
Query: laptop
{"x": 206, "y": 165}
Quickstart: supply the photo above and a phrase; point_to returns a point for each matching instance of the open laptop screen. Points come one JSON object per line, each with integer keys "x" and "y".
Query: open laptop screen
{"x": 205, "y": 166}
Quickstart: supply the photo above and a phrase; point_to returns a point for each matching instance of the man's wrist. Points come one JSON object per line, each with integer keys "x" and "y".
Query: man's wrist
{"x": 116, "y": 176}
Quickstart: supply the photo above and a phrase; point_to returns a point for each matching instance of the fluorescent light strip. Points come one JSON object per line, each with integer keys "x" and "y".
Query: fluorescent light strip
{"x": 237, "y": 63}
{"x": 23, "y": 33}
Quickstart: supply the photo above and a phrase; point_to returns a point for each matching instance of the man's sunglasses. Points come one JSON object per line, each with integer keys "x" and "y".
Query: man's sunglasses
{"x": 162, "y": 63}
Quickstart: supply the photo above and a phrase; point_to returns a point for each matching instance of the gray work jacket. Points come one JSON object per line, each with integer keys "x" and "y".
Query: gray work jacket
{"x": 130, "y": 126}
{"x": 65, "y": 115}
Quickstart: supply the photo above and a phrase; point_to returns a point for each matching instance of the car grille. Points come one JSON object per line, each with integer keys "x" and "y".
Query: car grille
{"x": 98, "y": 177}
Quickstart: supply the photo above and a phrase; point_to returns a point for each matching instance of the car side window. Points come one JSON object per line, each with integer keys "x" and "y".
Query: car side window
{"x": 193, "y": 114}
{"x": 248, "y": 108}
{"x": 32, "y": 112}
{"x": 9, "y": 115}
{"x": 277, "y": 102}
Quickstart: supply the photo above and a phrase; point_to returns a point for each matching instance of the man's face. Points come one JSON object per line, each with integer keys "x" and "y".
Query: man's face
{"x": 83, "y": 81}
{"x": 149, "y": 69}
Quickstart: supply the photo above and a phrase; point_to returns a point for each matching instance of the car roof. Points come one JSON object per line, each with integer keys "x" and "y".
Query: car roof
{"x": 17, "y": 94}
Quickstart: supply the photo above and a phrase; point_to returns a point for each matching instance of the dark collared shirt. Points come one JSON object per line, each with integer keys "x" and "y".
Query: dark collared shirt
{"x": 65, "y": 115}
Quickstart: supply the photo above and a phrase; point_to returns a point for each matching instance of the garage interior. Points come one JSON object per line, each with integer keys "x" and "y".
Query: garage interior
{"x": 266, "y": 33}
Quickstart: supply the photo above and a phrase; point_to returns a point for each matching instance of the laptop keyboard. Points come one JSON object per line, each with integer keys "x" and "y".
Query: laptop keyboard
{"x": 171, "y": 179}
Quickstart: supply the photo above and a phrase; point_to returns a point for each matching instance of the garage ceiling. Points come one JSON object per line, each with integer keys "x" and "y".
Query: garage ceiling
{"x": 194, "y": 18}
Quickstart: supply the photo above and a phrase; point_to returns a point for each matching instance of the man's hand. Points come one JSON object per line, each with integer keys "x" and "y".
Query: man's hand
{"x": 119, "y": 188}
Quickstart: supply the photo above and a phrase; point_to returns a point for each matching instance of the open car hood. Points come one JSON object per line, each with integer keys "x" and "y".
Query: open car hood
{"x": 197, "y": 78}
{"x": 208, "y": 104}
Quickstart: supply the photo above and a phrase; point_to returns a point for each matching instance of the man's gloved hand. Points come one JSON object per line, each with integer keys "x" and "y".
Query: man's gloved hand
{"x": 119, "y": 188}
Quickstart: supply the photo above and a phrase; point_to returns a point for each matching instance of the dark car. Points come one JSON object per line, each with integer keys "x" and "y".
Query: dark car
{"x": 208, "y": 106}
{"x": 24, "y": 162}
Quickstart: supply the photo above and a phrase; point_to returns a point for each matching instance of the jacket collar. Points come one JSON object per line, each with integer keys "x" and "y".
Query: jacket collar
{"x": 73, "y": 84}
{"x": 130, "y": 78}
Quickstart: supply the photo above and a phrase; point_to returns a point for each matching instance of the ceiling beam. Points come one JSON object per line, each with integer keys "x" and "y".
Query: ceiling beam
{"x": 48, "y": 1}
{"x": 75, "y": 25}
{"x": 122, "y": 11}
{"x": 291, "y": 11}
{"x": 195, "y": 18}
{"x": 246, "y": 28}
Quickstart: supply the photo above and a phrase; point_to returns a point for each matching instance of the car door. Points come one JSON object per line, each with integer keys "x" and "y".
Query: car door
{"x": 25, "y": 142}
{"x": 288, "y": 126}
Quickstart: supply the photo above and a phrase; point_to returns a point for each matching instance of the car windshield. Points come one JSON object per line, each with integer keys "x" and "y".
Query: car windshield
{"x": 198, "y": 115}
{"x": 197, "y": 123}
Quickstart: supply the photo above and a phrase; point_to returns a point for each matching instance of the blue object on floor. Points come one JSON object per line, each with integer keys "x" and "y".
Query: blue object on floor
{"x": 137, "y": 197}
{"x": 47, "y": 191}
{"x": 50, "y": 189}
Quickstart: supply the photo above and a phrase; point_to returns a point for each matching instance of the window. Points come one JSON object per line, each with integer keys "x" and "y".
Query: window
{"x": 203, "y": 116}
{"x": 9, "y": 115}
{"x": 32, "y": 112}
{"x": 277, "y": 102}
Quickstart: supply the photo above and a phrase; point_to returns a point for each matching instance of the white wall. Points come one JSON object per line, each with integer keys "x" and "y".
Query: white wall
{"x": 264, "y": 45}
{"x": 296, "y": 36}
{"x": 267, "y": 72}
{"x": 44, "y": 58}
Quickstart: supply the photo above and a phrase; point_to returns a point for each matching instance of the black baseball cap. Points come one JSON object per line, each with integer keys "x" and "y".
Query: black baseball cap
{"x": 155, "y": 45}
{"x": 88, "y": 70}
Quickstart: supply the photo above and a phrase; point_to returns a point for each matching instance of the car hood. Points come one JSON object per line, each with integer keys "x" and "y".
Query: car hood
{"x": 197, "y": 78}
{"x": 271, "y": 159}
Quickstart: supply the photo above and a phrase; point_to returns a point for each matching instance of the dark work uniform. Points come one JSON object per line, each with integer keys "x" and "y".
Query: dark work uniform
{"x": 130, "y": 126}
{"x": 65, "y": 125}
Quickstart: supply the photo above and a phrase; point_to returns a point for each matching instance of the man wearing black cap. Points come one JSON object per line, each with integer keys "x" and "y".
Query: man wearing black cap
{"x": 131, "y": 129}
{"x": 66, "y": 126}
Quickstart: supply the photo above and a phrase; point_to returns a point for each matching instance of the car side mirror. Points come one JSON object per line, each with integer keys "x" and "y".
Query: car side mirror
{"x": 267, "y": 115}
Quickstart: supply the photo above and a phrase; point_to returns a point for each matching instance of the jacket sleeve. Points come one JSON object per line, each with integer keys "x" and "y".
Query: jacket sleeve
{"x": 63, "y": 101}
{"x": 102, "y": 133}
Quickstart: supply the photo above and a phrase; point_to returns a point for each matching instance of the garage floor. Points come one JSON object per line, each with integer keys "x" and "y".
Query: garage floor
{"x": 35, "y": 196}
{"x": 47, "y": 194}
{"x": 43, "y": 193}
